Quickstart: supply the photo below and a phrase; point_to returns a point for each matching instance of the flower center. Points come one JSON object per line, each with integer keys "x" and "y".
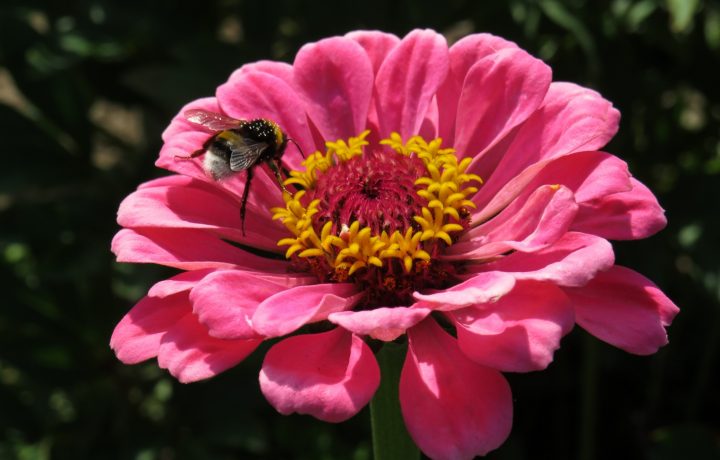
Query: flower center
{"x": 378, "y": 218}
{"x": 375, "y": 189}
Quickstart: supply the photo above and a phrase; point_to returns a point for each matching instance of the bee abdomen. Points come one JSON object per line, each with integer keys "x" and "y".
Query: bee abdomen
{"x": 217, "y": 157}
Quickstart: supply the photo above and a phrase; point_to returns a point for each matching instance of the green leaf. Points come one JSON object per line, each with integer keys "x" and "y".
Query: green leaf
{"x": 712, "y": 28}
{"x": 681, "y": 14}
{"x": 559, "y": 14}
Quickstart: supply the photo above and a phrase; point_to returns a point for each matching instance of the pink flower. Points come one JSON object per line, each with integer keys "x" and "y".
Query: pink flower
{"x": 498, "y": 232}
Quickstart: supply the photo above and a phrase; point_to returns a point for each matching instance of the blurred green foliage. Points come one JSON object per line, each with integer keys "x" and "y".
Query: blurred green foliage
{"x": 86, "y": 88}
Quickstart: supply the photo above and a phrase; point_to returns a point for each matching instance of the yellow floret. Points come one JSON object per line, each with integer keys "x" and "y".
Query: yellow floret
{"x": 396, "y": 143}
{"x": 431, "y": 153}
{"x": 294, "y": 215}
{"x": 405, "y": 247}
{"x": 317, "y": 162}
{"x": 356, "y": 248}
{"x": 345, "y": 151}
{"x": 297, "y": 219}
{"x": 433, "y": 226}
{"x": 443, "y": 186}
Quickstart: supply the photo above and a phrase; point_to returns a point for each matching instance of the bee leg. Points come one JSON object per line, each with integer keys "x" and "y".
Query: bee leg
{"x": 287, "y": 174}
{"x": 275, "y": 166}
{"x": 195, "y": 154}
{"x": 282, "y": 167}
{"x": 243, "y": 203}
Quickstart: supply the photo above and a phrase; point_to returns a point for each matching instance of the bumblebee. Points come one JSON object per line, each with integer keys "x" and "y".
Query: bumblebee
{"x": 239, "y": 145}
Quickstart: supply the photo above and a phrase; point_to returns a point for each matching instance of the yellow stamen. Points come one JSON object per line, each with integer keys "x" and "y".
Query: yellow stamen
{"x": 443, "y": 189}
{"x": 404, "y": 247}
{"x": 433, "y": 226}
{"x": 359, "y": 246}
{"x": 350, "y": 248}
{"x": 313, "y": 163}
{"x": 396, "y": 143}
{"x": 345, "y": 151}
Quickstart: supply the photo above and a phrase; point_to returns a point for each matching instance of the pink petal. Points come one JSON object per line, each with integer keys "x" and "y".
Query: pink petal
{"x": 587, "y": 174}
{"x": 384, "y": 323}
{"x": 179, "y": 283}
{"x": 453, "y": 408}
{"x": 624, "y": 309}
{"x": 429, "y": 125}
{"x": 225, "y": 301}
{"x": 609, "y": 175}
{"x": 377, "y": 45}
{"x": 288, "y": 310}
{"x": 463, "y": 55}
{"x": 170, "y": 247}
{"x": 630, "y": 215}
{"x": 407, "y": 81}
{"x": 571, "y": 261}
{"x": 281, "y": 70}
{"x": 483, "y": 288}
{"x": 335, "y": 78}
{"x": 570, "y": 119}
{"x": 258, "y": 94}
{"x": 518, "y": 333}
{"x": 499, "y": 92}
{"x": 467, "y": 51}
{"x": 138, "y": 335}
{"x": 168, "y": 181}
{"x": 330, "y": 376}
{"x": 191, "y": 203}
{"x": 190, "y": 354}
{"x": 523, "y": 226}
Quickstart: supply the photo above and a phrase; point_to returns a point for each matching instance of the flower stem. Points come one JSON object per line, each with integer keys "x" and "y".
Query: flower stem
{"x": 391, "y": 440}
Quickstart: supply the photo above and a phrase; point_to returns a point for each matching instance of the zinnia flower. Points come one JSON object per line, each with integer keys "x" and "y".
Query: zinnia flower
{"x": 453, "y": 197}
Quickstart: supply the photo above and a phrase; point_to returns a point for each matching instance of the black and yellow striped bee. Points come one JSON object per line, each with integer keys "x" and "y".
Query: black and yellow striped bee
{"x": 239, "y": 145}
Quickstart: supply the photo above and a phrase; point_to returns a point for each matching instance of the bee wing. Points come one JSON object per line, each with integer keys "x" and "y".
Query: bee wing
{"x": 246, "y": 155}
{"x": 211, "y": 120}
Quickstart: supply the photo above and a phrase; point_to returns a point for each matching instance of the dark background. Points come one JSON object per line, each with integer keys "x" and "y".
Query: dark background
{"x": 86, "y": 88}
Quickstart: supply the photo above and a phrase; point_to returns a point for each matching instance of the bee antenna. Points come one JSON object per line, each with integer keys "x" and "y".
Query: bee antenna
{"x": 298, "y": 147}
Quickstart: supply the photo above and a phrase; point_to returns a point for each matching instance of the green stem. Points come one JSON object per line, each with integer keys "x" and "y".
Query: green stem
{"x": 391, "y": 440}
